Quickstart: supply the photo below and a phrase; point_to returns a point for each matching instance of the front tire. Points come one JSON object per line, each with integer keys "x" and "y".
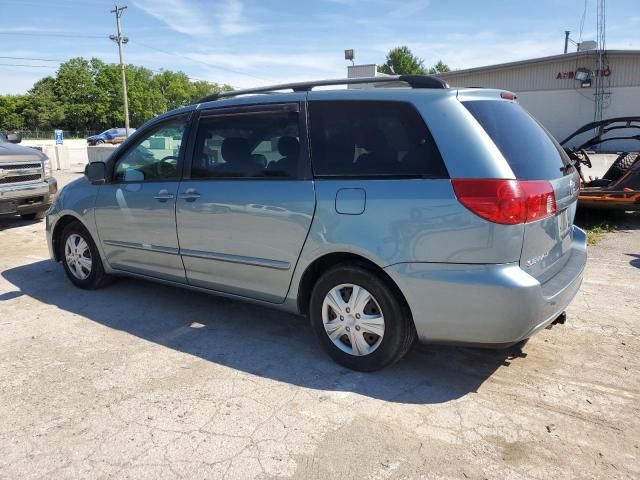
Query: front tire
{"x": 80, "y": 258}
{"x": 360, "y": 319}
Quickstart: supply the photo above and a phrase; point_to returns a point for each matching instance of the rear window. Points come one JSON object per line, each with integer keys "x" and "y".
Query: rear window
{"x": 530, "y": 150}
{"x": 371, "y": 139}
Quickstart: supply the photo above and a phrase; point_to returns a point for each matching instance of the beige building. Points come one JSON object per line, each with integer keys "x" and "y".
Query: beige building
{"x": 554, "y": 89}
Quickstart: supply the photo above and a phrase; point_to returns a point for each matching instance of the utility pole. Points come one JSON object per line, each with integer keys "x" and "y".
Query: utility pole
{"x": 121, "y": 40}
{"x": 566, "y": 41}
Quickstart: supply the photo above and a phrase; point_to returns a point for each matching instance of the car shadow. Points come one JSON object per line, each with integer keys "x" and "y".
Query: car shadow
{"x": 636, "y": 260}
{"x": 14, "y": 221}
{"x": 589, "y": 218}
{"x": 254, "y": 339}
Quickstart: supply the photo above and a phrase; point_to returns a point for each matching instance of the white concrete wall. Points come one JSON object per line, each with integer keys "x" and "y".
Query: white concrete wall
{"x": 72, "y": 155}
{"x": 564, "y": 111}
{"x": 100, "y": 153}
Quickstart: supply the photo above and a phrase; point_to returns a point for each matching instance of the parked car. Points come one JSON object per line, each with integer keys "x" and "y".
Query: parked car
{"x": 385, "y": 214}
{"x": 112, "y": 136}
{"x": 619, "y": 187}
{"x": 26, "y": 185}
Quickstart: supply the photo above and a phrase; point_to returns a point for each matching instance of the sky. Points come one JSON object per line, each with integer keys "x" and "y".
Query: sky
{"x": 248, "y": 43}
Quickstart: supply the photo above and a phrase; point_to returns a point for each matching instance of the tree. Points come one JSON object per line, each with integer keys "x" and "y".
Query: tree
{"x": 87, "y": 95}
{"x": 11, "y": 107}
{"x": 439, "y": 67}
{"x": 43, "y": 110}
{"x": 401, "y": 61}
{"x": 75, "y": 87}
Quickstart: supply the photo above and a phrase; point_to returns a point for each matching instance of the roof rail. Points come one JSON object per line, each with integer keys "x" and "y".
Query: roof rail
{"x": 414, "y": 81}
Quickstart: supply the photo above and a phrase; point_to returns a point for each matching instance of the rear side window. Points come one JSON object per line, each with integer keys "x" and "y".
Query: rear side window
{"x": 372, "y": 139}
{"x": 530, "y": 150}
{"x": 257, "y": 145}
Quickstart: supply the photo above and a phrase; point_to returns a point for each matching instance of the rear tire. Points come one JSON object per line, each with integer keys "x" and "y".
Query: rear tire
{"x": 376, "y": 318}
{"x": 81, "y": 259}
{"x": 621, "y": 165}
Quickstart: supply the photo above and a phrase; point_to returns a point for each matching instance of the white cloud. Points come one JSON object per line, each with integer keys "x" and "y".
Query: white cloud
{"x": 256, "y": 69}
{"x": 226, "y": 18}
{"x": 179, "y": 15}
{"x": 461, "y": 50}
{"x": 316, "y": 61}
{"x": 231, "y": 18}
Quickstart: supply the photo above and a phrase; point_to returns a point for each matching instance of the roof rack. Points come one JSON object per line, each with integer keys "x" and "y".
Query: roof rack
{"x": 414, "y": 81}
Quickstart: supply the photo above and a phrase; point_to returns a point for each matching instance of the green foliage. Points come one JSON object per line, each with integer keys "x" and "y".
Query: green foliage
{"x": 596, "y": 231}
{"x": 87, "y": 95}
{"x": 11, "y": 108}
{"x": 439, "y": 67}
{"x": 402, "y": 61}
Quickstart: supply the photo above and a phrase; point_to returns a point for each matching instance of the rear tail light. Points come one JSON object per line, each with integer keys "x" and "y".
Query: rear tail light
{"x": 508, "y": 95}
{"x": 507, "y": 202}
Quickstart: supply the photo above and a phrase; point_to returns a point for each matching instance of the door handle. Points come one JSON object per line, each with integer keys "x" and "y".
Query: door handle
{"x": 189, "y": 195}
{"x": 163, "y": 195}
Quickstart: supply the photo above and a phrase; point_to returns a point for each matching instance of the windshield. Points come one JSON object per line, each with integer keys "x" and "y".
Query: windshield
{"x": 3, "y": 139}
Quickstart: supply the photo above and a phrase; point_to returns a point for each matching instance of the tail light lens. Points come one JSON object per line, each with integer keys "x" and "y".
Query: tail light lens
{"x": 508, "y": 202}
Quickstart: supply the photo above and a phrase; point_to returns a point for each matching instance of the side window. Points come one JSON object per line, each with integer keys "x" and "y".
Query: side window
{"x": 154, "y": 157}
{"x": 255, "y": 145}
{"x": 372, "y": 139}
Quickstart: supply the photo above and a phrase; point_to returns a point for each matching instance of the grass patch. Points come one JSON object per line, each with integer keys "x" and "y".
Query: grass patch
{"x": 595, "y": 232}
{"x": 598, "y": 222}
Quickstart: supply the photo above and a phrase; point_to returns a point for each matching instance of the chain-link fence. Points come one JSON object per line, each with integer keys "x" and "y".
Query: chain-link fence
{"x": 49, "y": 134}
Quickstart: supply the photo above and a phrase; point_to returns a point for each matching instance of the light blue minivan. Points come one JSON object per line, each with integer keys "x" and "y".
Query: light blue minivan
{"x": 382, "y": 214}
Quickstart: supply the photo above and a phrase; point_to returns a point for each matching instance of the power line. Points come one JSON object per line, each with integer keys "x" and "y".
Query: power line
{"x": 217, "y": 67}
{"x": 24, "y": 65}
{"x": 584, "y": 16}
{"x": 34, "y": 59}
{"x": 60, "y": 35}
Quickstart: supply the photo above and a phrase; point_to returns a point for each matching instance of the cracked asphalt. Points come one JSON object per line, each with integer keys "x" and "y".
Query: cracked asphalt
{"x": 139, "y": 380}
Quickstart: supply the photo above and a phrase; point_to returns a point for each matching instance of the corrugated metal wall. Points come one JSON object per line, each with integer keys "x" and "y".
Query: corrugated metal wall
{"x": 537, "y": 76}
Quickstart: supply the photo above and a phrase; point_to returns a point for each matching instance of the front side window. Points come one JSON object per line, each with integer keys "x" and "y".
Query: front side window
{"x": 371, "y": 139}
{"x": 254, "y": 145}
{"x": 154, "y": 157}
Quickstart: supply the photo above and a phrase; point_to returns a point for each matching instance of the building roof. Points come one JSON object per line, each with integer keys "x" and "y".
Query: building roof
{"x": 531, "y": 61}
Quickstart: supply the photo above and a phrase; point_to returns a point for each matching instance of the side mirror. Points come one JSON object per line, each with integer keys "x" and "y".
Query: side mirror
{"x": 14, "y": 138}
{"x": 96, "y": 172}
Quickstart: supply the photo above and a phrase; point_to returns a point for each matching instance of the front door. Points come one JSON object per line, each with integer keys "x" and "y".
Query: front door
{"x": 135, "y": 211}
{"x": 244, "y": 213}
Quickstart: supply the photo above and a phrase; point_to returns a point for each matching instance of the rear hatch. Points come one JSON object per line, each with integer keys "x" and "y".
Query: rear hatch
{"x": 534, "y": 155}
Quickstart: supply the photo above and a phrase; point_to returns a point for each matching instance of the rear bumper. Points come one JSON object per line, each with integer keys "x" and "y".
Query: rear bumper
{"x": 487, "y": 305}
{"x": 27, "y": 198}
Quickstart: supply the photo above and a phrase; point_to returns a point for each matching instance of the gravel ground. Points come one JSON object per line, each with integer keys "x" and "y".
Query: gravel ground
{"x": 139, "y": 380}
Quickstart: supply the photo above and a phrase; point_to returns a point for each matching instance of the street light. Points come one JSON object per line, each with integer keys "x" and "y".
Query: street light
{"x": 350, "y": 54}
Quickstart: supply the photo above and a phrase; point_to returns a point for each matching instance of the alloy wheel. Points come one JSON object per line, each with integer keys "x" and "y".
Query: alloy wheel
{"x": 78, "y": 256}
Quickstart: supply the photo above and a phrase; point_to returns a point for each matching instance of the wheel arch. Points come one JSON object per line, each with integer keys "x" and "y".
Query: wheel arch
{"x": 329, "y": 260}
{"x": 58, "y": 228}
